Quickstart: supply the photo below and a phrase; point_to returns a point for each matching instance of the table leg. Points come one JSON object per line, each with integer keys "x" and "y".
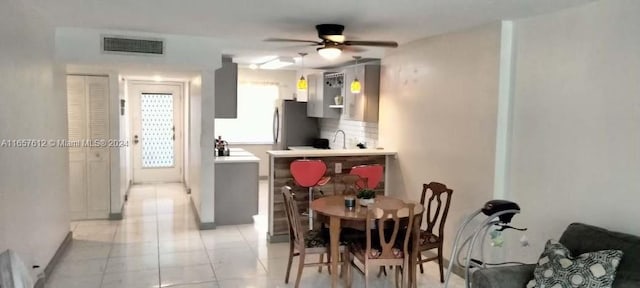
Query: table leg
{"x": 334, "y": 232}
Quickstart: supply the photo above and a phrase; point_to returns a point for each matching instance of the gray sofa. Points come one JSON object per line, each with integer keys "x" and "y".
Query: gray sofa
{"x": 578, "y": 238}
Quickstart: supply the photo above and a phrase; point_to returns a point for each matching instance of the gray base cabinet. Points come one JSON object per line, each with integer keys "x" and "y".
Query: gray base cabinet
{"x": 236, "y": 193}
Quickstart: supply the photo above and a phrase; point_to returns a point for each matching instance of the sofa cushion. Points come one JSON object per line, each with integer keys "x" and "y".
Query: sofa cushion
{"x": 558, "y": 268}
{"x": 581, "y": 238}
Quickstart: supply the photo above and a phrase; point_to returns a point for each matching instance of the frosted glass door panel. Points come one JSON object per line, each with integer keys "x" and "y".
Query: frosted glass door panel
{"x": 158, "y": 130}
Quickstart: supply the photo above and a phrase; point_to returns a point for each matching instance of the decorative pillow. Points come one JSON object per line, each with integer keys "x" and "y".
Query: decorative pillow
{"x": 558, "y": 269}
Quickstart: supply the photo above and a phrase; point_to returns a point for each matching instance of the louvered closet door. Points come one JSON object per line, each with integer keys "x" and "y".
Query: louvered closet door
{"x": 76, "y": 114}
{"x": 88, "y": 117}
{"x": 98, "y": 155}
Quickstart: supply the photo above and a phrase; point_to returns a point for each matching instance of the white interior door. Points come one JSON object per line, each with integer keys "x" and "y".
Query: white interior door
{"x": 156, "y": 110}
{"x": 88, "y": 120}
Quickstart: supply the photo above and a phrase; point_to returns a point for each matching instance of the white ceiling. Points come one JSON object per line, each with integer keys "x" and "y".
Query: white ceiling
{"x": 243, "y": 24}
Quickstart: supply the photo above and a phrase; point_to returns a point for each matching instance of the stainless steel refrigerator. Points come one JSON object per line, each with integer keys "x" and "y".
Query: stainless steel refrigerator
{"x": 292, "y": 127}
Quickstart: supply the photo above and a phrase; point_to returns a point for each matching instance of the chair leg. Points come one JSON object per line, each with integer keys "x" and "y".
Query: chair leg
{"x": 329, "y": 261}
{"x": 366, "y": 275}
{"x": 300, "y": 267}
{"x": 286, "y": 279}
{"x": 440, "y": 263}
{"x": 321, "y": 260}
{"x": 397, "y": 276}
{"x": 309, "y": 210}
{"x": 420, "y": 261}
{"x": 347, "y": 264}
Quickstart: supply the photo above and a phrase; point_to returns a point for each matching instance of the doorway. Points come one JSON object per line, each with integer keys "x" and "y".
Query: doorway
{"x": 157, "y": 131}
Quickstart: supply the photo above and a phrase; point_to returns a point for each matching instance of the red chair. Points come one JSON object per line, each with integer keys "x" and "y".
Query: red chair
{"x": 373, "y": 174}
{"x": 309, "y": 174}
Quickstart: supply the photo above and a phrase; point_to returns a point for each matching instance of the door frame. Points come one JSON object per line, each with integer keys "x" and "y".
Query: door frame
{"x": 136, "y": 88}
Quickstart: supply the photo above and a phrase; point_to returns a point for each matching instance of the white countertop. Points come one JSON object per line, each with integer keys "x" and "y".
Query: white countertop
{"x": 330, "y": 152}
{"x": 237, "y": 155}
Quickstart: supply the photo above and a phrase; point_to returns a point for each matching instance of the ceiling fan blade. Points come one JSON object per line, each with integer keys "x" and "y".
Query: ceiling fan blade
{"x": 291, "y": 40}
{"x": 353, "y": 49}
{"x": 392, "y": 44}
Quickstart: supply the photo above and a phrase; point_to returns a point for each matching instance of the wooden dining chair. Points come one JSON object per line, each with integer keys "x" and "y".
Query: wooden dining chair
{"x": 386, "y": 246}
{"x": 348, "y": 183}
{"x": 436, "y": 215}
{"x": 304, "y": 242}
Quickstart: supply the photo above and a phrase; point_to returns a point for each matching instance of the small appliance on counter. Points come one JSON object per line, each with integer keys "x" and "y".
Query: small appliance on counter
{"x": 222, "y": 146}
{"x": 321, "y": 143}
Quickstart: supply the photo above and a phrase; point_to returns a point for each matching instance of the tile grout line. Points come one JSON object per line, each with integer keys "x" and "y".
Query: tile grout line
{"x": 155, "y": 193}
{"x": 206, "y": 252}
{"x": 106, "y": 264}
{"x": 253, "y": 251}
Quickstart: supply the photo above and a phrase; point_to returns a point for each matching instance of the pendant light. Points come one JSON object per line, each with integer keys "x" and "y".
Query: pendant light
{"x": 302, "y": 83}
{"x": 355, "y": 84}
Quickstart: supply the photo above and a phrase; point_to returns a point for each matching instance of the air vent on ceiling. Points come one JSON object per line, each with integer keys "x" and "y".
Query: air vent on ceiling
{"x": 132, "y": 45}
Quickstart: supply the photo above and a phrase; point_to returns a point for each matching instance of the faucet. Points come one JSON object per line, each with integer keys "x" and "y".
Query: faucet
{"x": 344, "y": 138}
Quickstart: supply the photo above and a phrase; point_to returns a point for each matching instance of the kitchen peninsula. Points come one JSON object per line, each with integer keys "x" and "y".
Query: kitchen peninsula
{"x": 339, "y": 162}
{"x": 236, "y": 187}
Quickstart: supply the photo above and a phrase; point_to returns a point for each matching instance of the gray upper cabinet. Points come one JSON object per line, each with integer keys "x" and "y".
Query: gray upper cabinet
{"x": 362, "y": 106}
{"x": 226, "y": 90}
{"x": 321, "y": 94}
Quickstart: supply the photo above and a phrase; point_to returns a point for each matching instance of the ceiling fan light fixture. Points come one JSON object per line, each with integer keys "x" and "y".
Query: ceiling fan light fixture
{"x": 329, "y": 53}
{"x": 278, "y": 63}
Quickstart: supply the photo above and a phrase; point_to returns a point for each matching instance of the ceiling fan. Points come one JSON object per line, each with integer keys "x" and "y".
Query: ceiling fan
{"x": 333, "y": 42}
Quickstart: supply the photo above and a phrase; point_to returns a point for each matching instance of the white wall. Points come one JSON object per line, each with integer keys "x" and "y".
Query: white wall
{"x": 438, "y": 110}
{"x": 201, "y": 175}
{"x": 207, "y": 141}
{"x": 34, "y": 214}
{"x": 576, "y": 123}
{"x": 195, "y": 99}
{"x": 187, "y": 133}
{"x": 285, "y": 79}
{"x": 82, "y": 46}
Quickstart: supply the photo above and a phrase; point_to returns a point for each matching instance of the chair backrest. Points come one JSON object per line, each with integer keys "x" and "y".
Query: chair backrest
{"x": 296, "y": 234}
{"x": 350, "y": 184}
{"x": 436, "y": 210}
{"x": 390, "y": 227}
{"x": 307, "y": 172}
{"x": 372, "y": 173}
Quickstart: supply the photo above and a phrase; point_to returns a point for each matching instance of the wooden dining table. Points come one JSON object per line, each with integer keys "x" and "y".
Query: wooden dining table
{"x": 331, "y": 209}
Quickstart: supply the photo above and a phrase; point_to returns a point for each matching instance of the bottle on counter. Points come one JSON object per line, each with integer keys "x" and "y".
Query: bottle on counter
{"x": 220, "y": 146}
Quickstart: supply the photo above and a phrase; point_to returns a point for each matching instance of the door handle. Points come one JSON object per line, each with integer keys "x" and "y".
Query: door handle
{"x": 135, "y": 139}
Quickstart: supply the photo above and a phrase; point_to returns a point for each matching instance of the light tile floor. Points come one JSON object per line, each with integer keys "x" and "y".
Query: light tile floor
{"x": 159, "y": 245}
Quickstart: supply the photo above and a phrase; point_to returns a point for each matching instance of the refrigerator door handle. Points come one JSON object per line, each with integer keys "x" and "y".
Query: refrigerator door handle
{"x": 276, "y": 125}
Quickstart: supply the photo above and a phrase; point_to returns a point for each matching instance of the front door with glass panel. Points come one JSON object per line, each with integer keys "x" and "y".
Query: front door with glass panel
{"x": 156, "y": 134}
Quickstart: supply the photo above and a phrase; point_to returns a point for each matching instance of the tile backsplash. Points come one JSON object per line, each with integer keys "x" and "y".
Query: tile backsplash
{"x": 355, "y": 131}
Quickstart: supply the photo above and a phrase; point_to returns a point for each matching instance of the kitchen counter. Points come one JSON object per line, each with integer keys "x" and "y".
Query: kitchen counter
{"x": 237, "y": 157}
{"x": 330, "y": 152}
{"x": 236, "y": 187}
